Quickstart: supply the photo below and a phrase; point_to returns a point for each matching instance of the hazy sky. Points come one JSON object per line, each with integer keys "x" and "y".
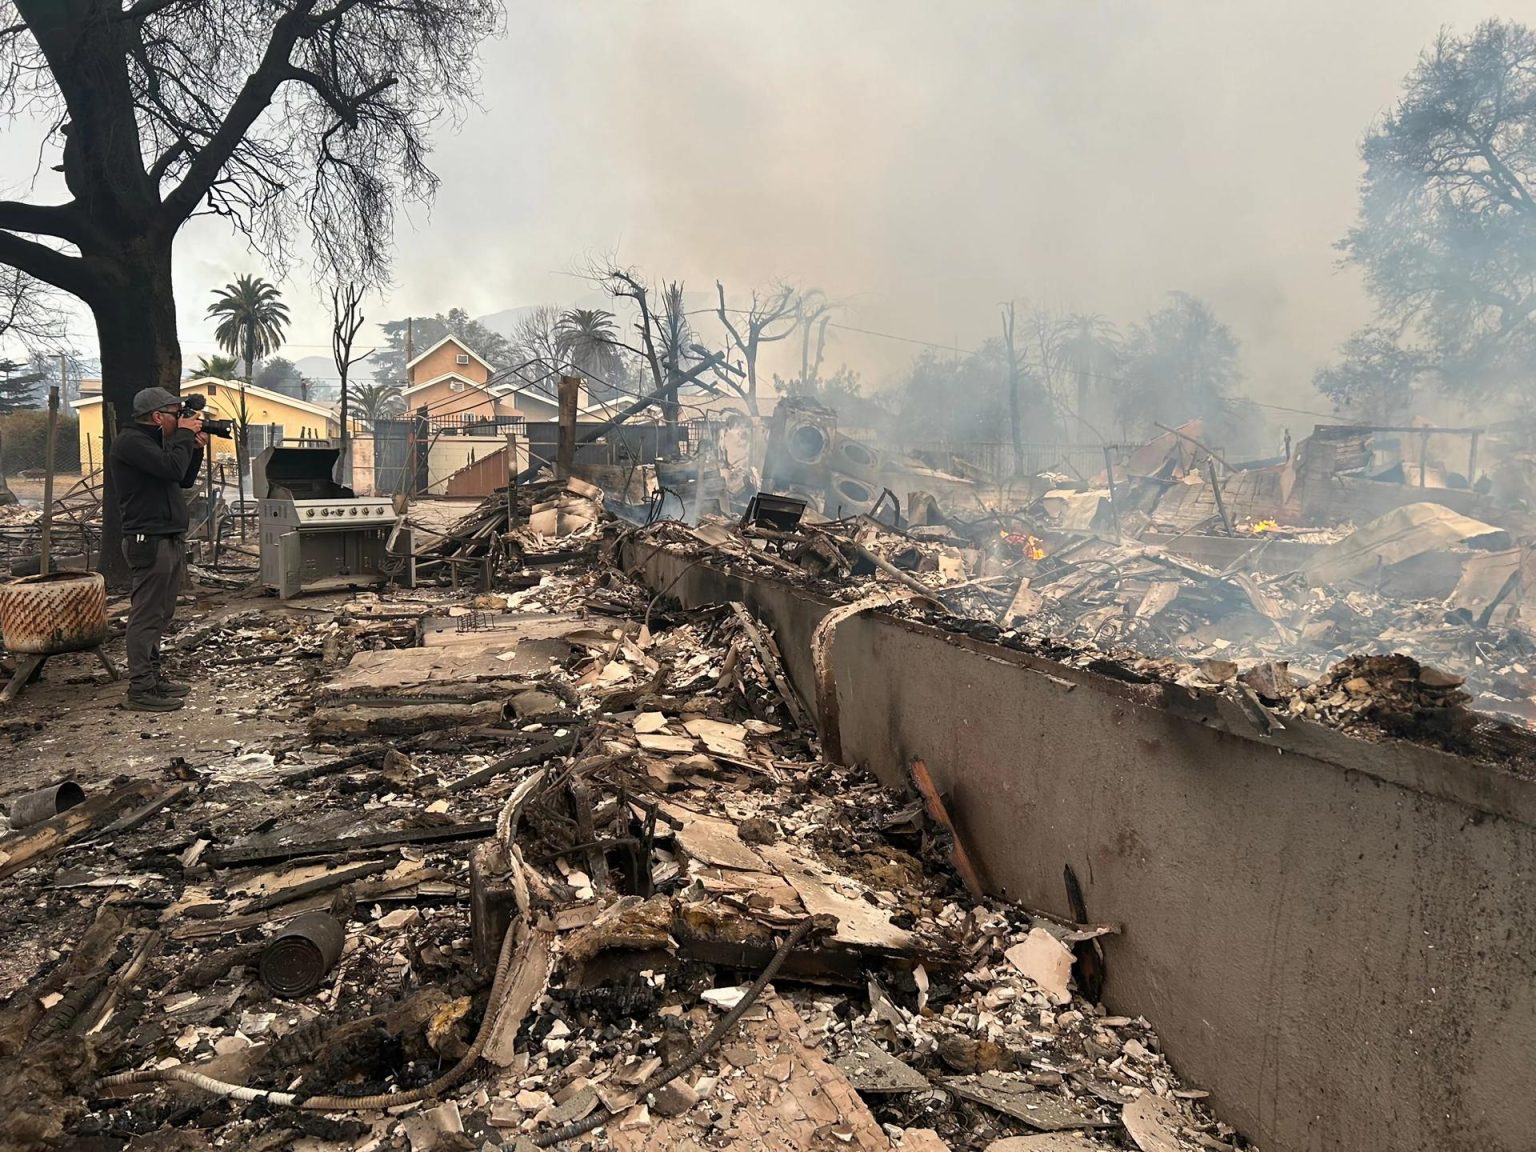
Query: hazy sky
{"x": 920, "y": 162}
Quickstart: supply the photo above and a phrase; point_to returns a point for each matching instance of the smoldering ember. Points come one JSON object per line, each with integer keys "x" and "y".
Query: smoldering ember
{"x": 609, "y": 726}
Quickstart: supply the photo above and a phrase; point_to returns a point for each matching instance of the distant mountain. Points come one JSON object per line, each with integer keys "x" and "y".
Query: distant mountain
{"x": 316, "y": 368}
{"x": 322, "y": 370}
{"x": 504, "y": 323}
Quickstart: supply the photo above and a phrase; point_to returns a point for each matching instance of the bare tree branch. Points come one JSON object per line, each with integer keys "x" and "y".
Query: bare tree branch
{"x": 58, "y": 220}
{"x": 255, "y": 95}
{"x": 769, "y": 319}
{"x": 48, "y": 265}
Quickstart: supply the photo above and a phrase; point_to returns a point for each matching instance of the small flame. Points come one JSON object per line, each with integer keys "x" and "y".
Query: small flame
{"x": 1028, "y": 545}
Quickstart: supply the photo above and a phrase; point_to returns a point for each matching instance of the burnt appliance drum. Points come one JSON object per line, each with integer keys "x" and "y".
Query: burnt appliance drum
{"x": 316, "y": 535}
{"x": 801, "y": 434}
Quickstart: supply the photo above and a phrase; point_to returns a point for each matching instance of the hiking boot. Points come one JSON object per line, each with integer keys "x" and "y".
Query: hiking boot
{"x": 172, "y": 688}
{"x": 152, "y": 702}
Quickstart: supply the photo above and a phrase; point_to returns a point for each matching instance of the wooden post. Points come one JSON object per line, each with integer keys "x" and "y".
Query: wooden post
{"x": 48, "y": 451}
{"x": 213, "y": 539}
{"x": 1472, "y": 462}
{"x": 565, "y": 453}
{"x": 1423, "y": 452}
{"x": 511, "y": 475}
{"x": 1114, "y": 501}
{"x": 1221, "y": 507}
{"x": 242, "y": 450}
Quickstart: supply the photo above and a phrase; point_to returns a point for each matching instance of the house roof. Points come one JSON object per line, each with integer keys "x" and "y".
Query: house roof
{"x": 449, "y": 376}
{"x": 234, "y": 386}
{"x": 463, "y": 347}
{"x": 517, "y": 388}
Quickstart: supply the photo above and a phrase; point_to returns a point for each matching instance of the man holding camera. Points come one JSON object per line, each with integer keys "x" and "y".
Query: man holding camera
{"x": 152, "y": 459}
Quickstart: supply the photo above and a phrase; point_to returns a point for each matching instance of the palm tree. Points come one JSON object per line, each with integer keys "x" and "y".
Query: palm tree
{"x": 253, "y": 319}
{"x": 588, "y": 338}
{"x": 375, "y": 402}
{"x": 219, "y": 367}
{"x": 1087, "y": 348}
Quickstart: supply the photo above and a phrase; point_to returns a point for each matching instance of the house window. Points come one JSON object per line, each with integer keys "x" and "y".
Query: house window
{"x": 461, "y": 358}
{"x": 213, "y": 389}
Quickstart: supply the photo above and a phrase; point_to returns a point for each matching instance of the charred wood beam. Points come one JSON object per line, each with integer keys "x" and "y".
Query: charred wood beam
{"x": 272, "y": 853}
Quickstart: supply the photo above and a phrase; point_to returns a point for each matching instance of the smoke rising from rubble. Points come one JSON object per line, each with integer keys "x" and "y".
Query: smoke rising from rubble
{"x": 922, "y": 164}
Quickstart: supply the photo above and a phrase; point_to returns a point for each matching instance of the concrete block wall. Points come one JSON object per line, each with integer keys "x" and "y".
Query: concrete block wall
{"x": 1335, "y": 938}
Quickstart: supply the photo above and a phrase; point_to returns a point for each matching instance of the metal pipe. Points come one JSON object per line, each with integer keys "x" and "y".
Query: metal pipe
{"x": 46, "y": 531}
{"x": 45, "y": 803}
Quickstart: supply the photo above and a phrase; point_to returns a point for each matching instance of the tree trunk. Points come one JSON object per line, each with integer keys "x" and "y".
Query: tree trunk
{"x": 345, "y": 433}
{"x": 136, "y": 328}
{"x": 1016, "y": 420}
{"x": 670, "y": 412}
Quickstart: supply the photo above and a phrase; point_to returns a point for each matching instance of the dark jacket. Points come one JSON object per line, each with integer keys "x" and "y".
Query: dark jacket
{"x": 149, "y": 475}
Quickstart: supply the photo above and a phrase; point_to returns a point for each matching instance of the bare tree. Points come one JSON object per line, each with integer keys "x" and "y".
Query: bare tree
{"x": 667, "y": 346}
{"x": 627, "y": 284}
{"x": 813, "y": 313}
{"x": 539, "y": 349}
{"x": 659, "y": 353}
{"x": 771, "y": 316}
{"x": 275, "y": 114}
{"x": 346, "y": 321}
{"x": 29, "y": 312}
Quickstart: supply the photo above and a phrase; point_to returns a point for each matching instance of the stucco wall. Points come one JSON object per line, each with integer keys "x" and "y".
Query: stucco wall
{"x": 1335, "y": 938}
{"x": 441, "y": 400}
{"x": 224, "y": 403}
{"x": 445, "y": 359}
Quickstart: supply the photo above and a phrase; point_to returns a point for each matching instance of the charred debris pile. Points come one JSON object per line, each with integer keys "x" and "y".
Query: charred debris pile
{"x": 549, "y": 864}
{"x": 1171, "y": 564}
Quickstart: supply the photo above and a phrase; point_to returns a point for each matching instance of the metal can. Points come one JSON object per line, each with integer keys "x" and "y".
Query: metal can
{"x": 300, "y": 956}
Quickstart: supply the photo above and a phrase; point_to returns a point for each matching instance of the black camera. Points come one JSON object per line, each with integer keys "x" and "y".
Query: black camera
{"x": 194, "y": 405}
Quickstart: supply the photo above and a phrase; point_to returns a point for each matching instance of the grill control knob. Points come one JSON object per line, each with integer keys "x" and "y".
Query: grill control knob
{"x": 325, "y": 511}
{"x": 353, "y": 511}
{"x": 309, "y": 512}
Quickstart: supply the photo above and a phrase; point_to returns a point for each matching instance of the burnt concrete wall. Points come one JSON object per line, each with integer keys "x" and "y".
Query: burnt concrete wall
{"x": 1335, "y": 938}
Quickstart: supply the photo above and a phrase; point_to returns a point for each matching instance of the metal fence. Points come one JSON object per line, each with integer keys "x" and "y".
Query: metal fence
{"x": 996, "y": 458}
{"x": 400, "y": 456}
{"x": 467, "y": 424}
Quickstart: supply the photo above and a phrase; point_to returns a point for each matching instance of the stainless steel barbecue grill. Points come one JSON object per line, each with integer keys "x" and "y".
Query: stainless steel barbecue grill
{"x": 317, "y": 536}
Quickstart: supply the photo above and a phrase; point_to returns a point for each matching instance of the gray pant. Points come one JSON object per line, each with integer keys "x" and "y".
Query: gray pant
{"x": 156, "y": 563}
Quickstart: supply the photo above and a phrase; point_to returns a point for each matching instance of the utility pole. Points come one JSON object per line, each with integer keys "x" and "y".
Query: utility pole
{"x": 410, "y": 347}
{"x": 1015, "y": 411}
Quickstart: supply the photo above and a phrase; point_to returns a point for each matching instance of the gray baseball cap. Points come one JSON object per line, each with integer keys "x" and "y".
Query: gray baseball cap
{"x": 149, "y": 400}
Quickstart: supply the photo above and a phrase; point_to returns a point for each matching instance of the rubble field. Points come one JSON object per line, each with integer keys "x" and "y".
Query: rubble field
{"x": 552, "y": 865}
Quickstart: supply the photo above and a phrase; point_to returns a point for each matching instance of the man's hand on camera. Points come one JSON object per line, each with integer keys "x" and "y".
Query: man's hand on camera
{"x": 190, "y": 424}
{"x": 202, "y": 439}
